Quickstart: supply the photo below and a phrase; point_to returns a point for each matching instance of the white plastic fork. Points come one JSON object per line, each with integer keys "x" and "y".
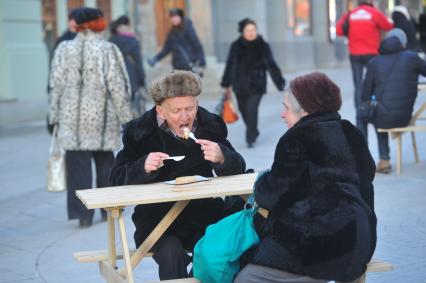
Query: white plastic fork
{"x": 191, "y": 135}
{"x": 175, "y": 158}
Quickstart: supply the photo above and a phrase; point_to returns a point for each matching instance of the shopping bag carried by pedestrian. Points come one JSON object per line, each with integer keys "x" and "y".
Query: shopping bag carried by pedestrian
{"x": 56, "y": 181}
{"x": 216, "y": 255}
{"x": 226, "y": 108}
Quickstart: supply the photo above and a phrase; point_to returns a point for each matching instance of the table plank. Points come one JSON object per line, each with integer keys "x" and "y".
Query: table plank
{"x": 160, "y": 192}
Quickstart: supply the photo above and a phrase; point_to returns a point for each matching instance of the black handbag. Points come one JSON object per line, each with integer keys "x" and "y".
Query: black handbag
{"x": 367, "y": 110}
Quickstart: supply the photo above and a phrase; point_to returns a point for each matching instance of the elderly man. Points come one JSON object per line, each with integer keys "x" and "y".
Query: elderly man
{"x": 158, "y": 134}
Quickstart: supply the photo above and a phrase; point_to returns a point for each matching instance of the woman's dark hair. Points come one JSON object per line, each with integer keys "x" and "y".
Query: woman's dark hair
{"x": 123, "y": 20}
{"x": 242, "y": 24}
{"x": 177, "y": 11}
{"x": 315, "y": 93}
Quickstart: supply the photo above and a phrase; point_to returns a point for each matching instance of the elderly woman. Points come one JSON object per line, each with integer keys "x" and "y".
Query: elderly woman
{"x": 89, "y": 100}
{"x": 319, "y": 193}
{"x": 158, "y": 134}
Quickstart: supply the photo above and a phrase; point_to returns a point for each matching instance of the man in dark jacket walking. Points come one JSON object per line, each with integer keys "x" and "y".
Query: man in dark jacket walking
{"x": 158, "y": 134}
{"x": 392, "y": 77}
{"x": 182, "y": 41}
{"x": 364, "y": 25}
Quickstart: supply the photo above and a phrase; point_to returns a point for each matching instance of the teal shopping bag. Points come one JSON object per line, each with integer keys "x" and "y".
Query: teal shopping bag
{"x": 216, "y": 255}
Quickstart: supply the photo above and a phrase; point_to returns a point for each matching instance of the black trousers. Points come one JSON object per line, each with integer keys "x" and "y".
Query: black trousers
{"x": 172, "y": 258}
{"x": 248, "y": 104}
{"x": 79, "y": 176}
{"x": 358, "y": 63}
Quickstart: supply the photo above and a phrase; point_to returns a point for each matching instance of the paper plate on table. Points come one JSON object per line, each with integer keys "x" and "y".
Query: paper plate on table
{"x": 191, "y": 179}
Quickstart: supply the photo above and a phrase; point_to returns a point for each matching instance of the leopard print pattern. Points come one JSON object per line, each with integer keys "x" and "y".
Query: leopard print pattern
{"x": 90, "y": 93}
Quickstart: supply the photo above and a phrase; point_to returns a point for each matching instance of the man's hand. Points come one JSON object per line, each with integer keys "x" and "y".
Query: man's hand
{"x": 212, "y": 151}
{"x": 154, "y": 161}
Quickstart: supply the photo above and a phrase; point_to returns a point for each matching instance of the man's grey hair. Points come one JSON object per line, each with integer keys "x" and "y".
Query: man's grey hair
{"x": 293, "y": 102}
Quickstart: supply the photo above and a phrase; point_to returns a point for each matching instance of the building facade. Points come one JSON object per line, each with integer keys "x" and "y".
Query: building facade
{"x": 301, "y": 34}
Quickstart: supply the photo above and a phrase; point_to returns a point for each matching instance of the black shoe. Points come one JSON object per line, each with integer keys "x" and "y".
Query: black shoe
{"x": 84, "y": 223}
{"x": 250, "y": 145}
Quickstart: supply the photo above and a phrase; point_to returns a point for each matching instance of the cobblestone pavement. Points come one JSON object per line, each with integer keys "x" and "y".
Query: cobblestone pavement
{"x": 37, "y": 242}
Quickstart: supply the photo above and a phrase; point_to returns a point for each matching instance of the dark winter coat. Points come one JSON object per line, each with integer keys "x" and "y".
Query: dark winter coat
{"x": 185, "y": 47}
{"x": 421, "y": 27}
{"x": 246, "y": 67}
{"x": 131, "y": 50}
{"x": 400, "y": 21}
{"x": 320, "y": 196}
{"x": 398, "y": 92}
{"x": 142, "y": 136}
{"x": 67, "y": 35}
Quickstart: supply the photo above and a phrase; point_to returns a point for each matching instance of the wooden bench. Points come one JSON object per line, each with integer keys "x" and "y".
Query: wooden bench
{"x": 396, "y": 133}
{"x": 373, "y": 266}
{"x": 102, "y": 255}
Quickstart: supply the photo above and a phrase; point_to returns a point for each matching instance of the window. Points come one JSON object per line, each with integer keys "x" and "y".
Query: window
{"x": 299, "y": 17}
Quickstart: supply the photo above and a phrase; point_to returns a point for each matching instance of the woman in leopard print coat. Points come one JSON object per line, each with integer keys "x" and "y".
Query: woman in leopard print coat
{"x": 89, "y": 101}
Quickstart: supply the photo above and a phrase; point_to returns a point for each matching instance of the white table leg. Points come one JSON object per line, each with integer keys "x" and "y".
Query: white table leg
{"x": 112, "y": 252}
{"x": 125, "y": 246}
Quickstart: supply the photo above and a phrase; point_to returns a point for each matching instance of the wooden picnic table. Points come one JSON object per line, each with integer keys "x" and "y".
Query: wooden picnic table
{"x": 115, "y": 199}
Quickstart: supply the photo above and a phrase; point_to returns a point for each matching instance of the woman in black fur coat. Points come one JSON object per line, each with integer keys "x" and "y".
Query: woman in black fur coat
{"x": 319, "y": 194}
{"x": 248, "y": 60}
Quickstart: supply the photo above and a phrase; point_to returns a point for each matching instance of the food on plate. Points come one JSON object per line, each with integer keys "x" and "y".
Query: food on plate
{"x": 185, "y": 179}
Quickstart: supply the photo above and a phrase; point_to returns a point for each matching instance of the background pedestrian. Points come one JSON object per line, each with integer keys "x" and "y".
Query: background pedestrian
{"x": 183, "y": 43}
{"x": 88, "y": 101}
{"x": 364, "y": 25}
{"x": 392, "y": 77}
{"x": 402, "y": 20}
{"x": 123, "y": 37}
{"x": 245, "y": 72}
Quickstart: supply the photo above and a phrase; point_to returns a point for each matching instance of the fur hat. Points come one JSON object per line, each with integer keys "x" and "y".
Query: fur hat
{"x": 85, "y": 14}
{"x": 400, "y": 34}
{"x": 315, "y": 93}
{"x": 177, "y": 83}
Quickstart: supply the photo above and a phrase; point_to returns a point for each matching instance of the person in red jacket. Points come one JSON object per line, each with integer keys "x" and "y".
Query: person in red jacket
{"x": 363, "y": 31}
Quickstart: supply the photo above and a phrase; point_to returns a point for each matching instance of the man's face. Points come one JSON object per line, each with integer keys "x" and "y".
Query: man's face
{"x": 72, "y": 25}
{"x": 179, "y": 112}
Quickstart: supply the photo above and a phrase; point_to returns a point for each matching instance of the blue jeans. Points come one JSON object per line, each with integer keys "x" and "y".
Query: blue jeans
{"x": 383, "y": 142}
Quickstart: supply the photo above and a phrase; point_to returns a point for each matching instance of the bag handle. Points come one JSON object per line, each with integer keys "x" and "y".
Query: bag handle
{"x": 252, "y": 203}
